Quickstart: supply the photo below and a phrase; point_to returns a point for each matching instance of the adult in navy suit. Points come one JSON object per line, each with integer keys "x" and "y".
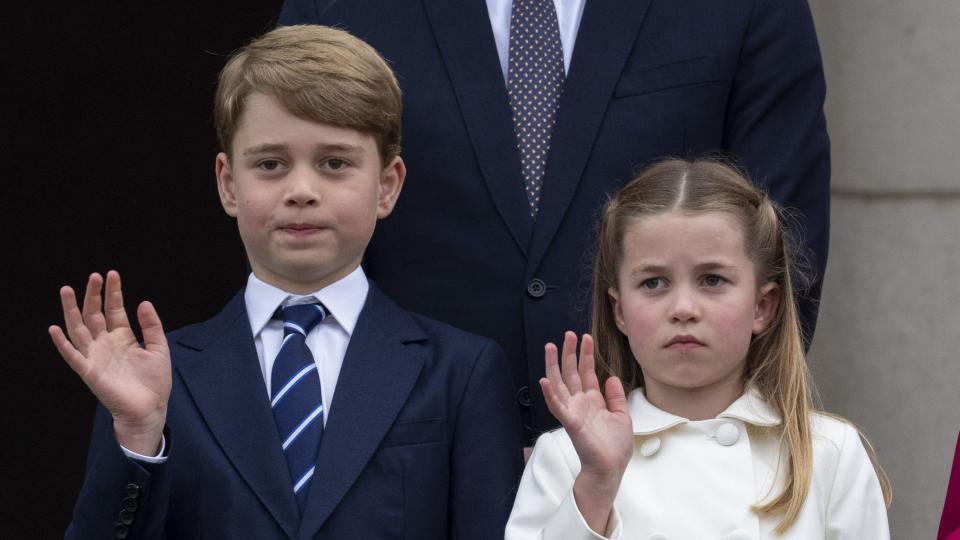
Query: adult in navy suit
{"x": 646, "y": 79}
{"x": 401, "y": 427}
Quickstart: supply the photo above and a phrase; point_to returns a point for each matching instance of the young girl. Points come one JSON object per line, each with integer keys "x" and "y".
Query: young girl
{"x": 704, "y": 429}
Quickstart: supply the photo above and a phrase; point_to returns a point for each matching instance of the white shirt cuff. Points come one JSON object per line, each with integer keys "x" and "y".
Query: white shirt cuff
{"x": 159, "y": 458}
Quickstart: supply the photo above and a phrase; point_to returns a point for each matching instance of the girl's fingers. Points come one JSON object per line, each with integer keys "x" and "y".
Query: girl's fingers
{"x": 73, "y": 320}
{"x": 552, "y": 369}
{"x": 92, "y": 306}
{"x": 116, "y": 316}
{"x": 554, "y": 405}
{"x": 568, "y": 365}
{"x": 616, "y": 399}
{"x": 587, "y": 367}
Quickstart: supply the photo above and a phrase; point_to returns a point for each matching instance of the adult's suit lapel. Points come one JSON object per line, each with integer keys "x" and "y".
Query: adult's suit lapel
{"x": 219, "y": 367}
{"x": 378, "y": 374}
{"x": 608, "y": 30}
{"x": 463, "y": 34}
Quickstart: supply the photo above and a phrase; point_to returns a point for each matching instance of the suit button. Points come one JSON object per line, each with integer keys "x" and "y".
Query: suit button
{"x": 536, "y": 288}
{"x": 650, "y": 446}
{"x": 523, "y": 396}
{"x": 130, "y": 505}
{"x": 126, "y": 517}
{"x": 133, "y": 490}
{"x": 121, "y": 531}
{"x": 727, "y": 434}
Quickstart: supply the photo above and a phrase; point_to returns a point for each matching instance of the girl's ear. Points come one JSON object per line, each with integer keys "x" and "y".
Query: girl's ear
{"x": 617, "y": 310}
{"x": 225, "y": 185}
{"x": 768, "y": 298}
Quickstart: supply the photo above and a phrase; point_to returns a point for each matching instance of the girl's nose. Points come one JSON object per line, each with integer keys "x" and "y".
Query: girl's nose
{"x": 686, "y": 307}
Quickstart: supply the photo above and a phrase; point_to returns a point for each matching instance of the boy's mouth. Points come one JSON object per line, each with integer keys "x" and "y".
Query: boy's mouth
{"x": 301, "y": 229}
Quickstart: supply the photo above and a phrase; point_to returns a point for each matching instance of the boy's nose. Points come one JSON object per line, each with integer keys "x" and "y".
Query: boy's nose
{"x": 302, "y": 190}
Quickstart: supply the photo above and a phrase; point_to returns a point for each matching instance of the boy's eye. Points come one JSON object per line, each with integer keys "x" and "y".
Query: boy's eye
{"x": 654, "y": 283}
{"x": 269, "y": 164}
{"x": 336, "y": 164}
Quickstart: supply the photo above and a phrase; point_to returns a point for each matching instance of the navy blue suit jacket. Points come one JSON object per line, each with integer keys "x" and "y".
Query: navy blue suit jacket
{"x": 422, "y": 442}
{"x": 648, "y": 79}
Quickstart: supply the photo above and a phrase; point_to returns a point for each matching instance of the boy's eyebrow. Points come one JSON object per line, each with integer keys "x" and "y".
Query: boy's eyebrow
{"x": 274, "y": 147}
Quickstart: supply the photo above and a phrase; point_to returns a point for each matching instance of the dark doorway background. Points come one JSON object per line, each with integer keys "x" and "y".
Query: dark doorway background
{"x": 109, "y": 165}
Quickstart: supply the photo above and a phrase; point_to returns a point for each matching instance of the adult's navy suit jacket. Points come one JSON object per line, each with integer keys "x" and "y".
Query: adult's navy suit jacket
{"x": 422, "y": 442}
{"x": 648, "y": 79}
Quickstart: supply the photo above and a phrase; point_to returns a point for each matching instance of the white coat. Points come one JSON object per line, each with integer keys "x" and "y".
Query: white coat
{"x": 696, "y": 480}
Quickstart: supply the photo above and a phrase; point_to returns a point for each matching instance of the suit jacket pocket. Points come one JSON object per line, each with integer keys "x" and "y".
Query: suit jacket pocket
{"x": 673, "y": 74}
{"x": 406, "y": 433}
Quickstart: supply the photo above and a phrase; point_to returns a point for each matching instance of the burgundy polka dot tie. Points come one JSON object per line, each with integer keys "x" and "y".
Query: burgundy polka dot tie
{"x": 534, "y": 83}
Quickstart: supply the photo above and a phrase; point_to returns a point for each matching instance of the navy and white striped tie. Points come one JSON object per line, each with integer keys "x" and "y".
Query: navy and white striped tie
{"x": 296, "y": 396}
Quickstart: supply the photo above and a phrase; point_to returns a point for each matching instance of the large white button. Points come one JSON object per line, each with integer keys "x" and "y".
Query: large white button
{"x": 727, "y": 434}
{"x": 738, "y": 534}
{"x": 659, "y": 536}
{"x": 650, "y": 447}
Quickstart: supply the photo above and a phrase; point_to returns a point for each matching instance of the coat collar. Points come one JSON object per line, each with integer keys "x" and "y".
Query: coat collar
{"x": 648, "y": 419}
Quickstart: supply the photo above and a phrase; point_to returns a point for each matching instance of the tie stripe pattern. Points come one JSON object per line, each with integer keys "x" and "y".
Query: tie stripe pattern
{"x": 534, "y": 84}
{"x": 296, "y": 397}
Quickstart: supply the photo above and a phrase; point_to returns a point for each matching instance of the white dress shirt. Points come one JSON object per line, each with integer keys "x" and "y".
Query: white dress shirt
{"x": 698, "y": 479}
{"x": 569, "y": 13}
{"x": 327, "y": 341}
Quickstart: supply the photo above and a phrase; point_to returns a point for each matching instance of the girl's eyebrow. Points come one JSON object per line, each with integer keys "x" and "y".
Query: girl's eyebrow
{"x": 661, "y": 269}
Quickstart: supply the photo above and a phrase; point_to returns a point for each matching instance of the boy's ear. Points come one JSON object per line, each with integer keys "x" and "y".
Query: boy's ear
{"x": 391, "y": 182}
{"x": 225, "y": 185}
{"x": 617, "y": 310}
{"x": 768, "y": 299}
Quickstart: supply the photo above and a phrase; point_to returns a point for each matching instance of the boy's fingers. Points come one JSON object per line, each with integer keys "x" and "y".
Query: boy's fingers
{"x": 568, "y": 365}
{"x": 115, "y": 315}
{"x": 153, "y": 338}
{"x": 70, "y": 354}
{"x": 73, "y": 320}
{"x": 92, "y": 307}
{"x": 587, "y": 367}
{"x": 616, "y": 399}
{"x": 552, "y": 370}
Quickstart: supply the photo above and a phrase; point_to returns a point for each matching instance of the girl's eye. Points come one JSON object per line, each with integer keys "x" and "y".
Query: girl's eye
{"x": 654, "y": 283}
{"x": 713, "y": 281}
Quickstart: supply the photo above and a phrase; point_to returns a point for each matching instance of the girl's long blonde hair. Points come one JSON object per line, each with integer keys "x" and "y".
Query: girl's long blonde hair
{"x": 775, "y": 364}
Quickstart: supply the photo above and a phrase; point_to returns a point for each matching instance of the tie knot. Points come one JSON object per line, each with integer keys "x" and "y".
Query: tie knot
{"x": 301, "y": 318}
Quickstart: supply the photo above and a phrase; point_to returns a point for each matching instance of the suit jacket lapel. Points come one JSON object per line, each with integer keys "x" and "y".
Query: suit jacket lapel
{"x": 469, "y": 53}
{"x": 607, "y": 32}
{"x": 220, "y": 370}
{"x": 378, "y": 374}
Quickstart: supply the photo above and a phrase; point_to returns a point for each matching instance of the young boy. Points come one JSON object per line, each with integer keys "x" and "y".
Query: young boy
{"x": 311, "y": 406}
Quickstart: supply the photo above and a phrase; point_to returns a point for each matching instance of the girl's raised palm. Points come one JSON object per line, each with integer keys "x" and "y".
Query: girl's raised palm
{"x": 599, "y": 426}
{"x": 131, "y": 381}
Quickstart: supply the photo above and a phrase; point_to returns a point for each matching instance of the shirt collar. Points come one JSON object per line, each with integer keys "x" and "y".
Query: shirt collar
{"x": 750, "y": 408}
{"x": 344, "y": 300}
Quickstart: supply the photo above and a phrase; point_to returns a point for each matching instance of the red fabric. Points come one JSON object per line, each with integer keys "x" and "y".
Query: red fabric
{"x": 950, "y": 520}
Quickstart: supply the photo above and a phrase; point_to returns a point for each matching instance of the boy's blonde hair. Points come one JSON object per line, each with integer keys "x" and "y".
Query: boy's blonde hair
{"x": 317, "y": 73}
{"x": 775, "y": 363}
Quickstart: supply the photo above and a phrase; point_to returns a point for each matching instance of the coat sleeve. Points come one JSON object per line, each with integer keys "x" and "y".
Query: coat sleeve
{"x": 120, "y": 498}
{"x": 856, "y": 507}
{"x": 776, "y": 130}
{"x": 545, "y": 508}
{"x": 487, "y": 451}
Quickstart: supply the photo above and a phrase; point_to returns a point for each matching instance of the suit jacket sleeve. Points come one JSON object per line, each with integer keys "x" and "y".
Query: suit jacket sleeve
{"x": 486, "y": 454}
{"x": 775, "y": 127}
{"x": 120, "y": 498}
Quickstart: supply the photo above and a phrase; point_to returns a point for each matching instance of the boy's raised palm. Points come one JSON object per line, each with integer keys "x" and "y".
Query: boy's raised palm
{"x": 599, "y": 427}
{"x": 131, "y": 381}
